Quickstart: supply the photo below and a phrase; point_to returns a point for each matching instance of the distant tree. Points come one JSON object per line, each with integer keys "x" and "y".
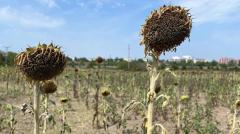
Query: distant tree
{"x": 11, "y": 58}
{"x": 174, "y": 65}
{"x": 118, "y": 59}
{"x": 232, "y": 63}
{"x": 140, "y": 60}
{"x": 138, "y": 65}
{"x": 82, "y": 59}
{"x": 213, "y": 63}
{"x": 184, "y": 67}
{"x": 70, "y": 61}
{"x": 1, "y": 59}
{"x": 91, "y": 64}
{"x": 201, "y": 64}
{"x": 110, "y": 62}
{"x": 162, "y": 65}
{"x": 122, "y": 65}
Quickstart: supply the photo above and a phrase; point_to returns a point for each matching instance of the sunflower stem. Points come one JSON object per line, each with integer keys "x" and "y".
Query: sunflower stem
{"x": 46, "y": 111}
{"x": 36, "y": 107}
{"x": 154, "y": 75}
{"x": 234, "y": 121}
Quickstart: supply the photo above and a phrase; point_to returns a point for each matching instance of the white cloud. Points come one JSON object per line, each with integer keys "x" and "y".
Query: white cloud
{"x": 99, "y": 3}
{"x": 29, "y": 19}
{"x": 49, "y": 3}
{"x": 219, "y": 11}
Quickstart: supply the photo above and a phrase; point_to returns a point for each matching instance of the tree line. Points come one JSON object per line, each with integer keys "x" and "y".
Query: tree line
{"x": 7, "y": 58}
{"x": 133, "y": 65}
{"x": 140, "y": 64}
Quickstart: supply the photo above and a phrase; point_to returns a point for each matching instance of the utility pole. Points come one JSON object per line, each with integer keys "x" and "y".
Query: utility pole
{"x": 128, "y": 57}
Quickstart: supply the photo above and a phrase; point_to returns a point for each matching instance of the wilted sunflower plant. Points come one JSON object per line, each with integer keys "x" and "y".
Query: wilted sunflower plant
{"x": 75, "y": 82}
{"x": 65, "y": 128}
{"x": 164, "y": 30}
{"x": 39, "y": 64}
{"x": 99, "y": 60}
{"x": 235, "y": 120}
{"x": 10, "y": 119}
{"x": 105, "y": 92}
{"x": 47, "y": 88}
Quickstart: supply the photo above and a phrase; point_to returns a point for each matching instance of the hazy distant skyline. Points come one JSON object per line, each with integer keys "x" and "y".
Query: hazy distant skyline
{"x": 91, "y": 28}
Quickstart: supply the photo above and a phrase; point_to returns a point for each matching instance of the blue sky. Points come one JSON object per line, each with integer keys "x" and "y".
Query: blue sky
{"x": 89, "y": 28}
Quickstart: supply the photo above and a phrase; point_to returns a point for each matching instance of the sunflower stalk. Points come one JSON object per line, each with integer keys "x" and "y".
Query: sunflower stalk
{"x": 164, "y": 131}
{"x": 96, "y": 108}
{"x": 234, "y": 122}
{"x": 65, "y": 127}
{"x": 36, "y": 107}
{"x": 12, "y": 120}
{"x": 130, "y": 106}
{"x": 75, "y": 81}
{"x": 105, "y": 108}
{"x": 151, "y": 95}
{"x": 179, "y": 112}
{"x": 87, "y": 90}
{"x": 46, "y": 111}
{"x": 39, "y": 64}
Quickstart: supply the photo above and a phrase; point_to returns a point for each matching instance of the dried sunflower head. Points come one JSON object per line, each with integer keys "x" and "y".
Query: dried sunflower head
{"x": 165, "y": 29}
{"x": 157, "y": 88}
{"x": 76, "y": 70}
{"x": 42, "y": 62}
{"x": 105, "y": 91}
{"x": 99, "y": 60}
{"x": 64, "y": 100}
{"x": 237, "y": 104}
{"x": 48, "y": 87}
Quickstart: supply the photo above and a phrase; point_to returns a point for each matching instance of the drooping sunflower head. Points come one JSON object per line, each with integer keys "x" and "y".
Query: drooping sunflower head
{"x": 64, "y": 100}
{"x": 76, "y": 70}
{"x": 105, "y": 91}
{"x": 48, "y": 87}
{"x": 99, "y": 60}
{"x": 42, "y": 62}
{"x": 157, "y": 88}
{"x": 165, "y": 29}
{"x": 237, "y": 104}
